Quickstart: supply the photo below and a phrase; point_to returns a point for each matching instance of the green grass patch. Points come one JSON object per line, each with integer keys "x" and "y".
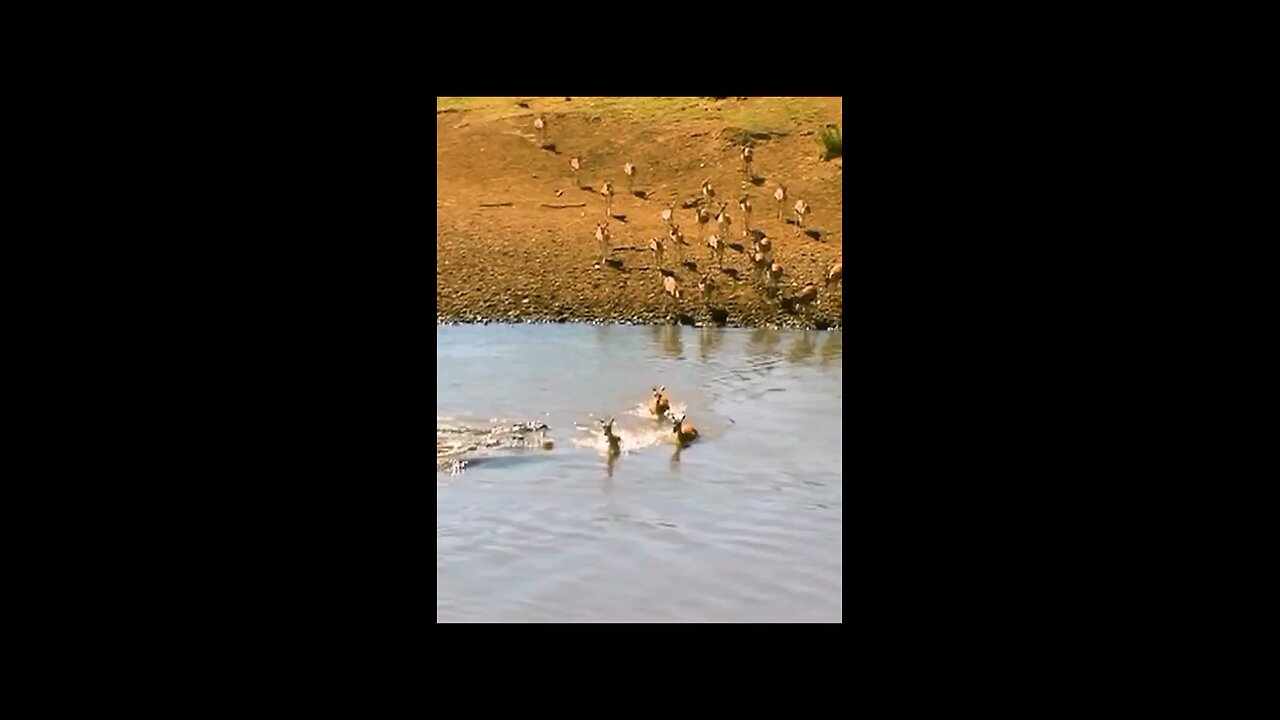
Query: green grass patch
{"x": 832, "y": 143}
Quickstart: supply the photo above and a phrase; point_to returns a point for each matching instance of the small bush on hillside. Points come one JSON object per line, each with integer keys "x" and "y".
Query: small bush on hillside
{"x": 831, "y": 141}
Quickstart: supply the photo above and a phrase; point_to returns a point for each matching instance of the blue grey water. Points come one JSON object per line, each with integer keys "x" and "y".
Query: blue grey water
{"x": 744, "y": 525}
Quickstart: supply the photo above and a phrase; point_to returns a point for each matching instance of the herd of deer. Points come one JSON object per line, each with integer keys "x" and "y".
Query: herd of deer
{"x": 767, "y": 270}
{"x": 659, "y": 405}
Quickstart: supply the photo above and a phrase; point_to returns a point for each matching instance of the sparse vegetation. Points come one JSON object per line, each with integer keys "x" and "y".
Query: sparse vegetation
{"x": 831, "y": 141}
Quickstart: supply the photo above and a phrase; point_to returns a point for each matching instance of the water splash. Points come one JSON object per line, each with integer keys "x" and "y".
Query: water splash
{"x": 632, "y": 436}
{"x": 459, "y": 442}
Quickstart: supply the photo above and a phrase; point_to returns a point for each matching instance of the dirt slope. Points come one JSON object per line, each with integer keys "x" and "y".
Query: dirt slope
{"x": 526, "y": 262}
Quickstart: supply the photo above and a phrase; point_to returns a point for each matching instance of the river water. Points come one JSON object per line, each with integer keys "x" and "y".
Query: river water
{"x": 536, "y": 523}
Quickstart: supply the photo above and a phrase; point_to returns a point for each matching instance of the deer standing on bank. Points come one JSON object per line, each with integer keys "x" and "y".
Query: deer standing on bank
{"x": 607, "y": 192}
{"x": 802, "y": 209}
{"x": 630, "y": 171}
{"x": 655, "y": 246}
{"x": 602, "y": 240}
{"x": 540, "y": 124}
{"x": 723, "y": 221}
{"x": 717, "y": 249}
{"x": 781, "y": 196}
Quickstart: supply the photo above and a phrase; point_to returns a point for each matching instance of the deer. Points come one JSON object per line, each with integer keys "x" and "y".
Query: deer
{"x": 668, "y": 214}
{"x": 630, "y": 171}
{"x": 607, "y": 192}
{"x": 671, "y": 287}
{"x": 602, "y": 240}
{"x": 773, "y": 276}
{"x": 659, "y": 404}
{"x": 761, "y": 264}
{"x": 807, "y": 295}
{"x": 747, "y": 156}
{"x": 764, "y": 246}
{"x": 781, "y": 196}
{"x": 703, "y": 218}
{"x": 684, "y": 432}
{"x": 614, "y": 442}
{"x": 723, "y": 221}
{"x": 677, "y": 240}
{"x": 717, "y": 249}
{"x": 835, "y": 275}
{"x": 707, "y": 286}
{"x": 744, "y": 204}
{"x": 802, "y": 209}
{"x": 655, "y": 246}
{"x": 708, "y": 192}
{"x": 540, "y": 123}
{"x": 576, "y": 164}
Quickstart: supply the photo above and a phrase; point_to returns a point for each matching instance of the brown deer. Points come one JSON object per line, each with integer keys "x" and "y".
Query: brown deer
{"x": 658, "y": 402}
{"x": 717, "y": 249}
{"x": 576, "y": 164}
{"x": 540, "y": 123}
{"x": 835, "y": 275}
{"x": 683, "y": 432}
{"x": 707, "y": 286}
{"x": 607, "y": 192}
{"x": 781, "y": 196}
{"x": 747, "y": 156}
{"x": 655, "y": 246}
{"x": 602, "y": 240}
{"x": 630, "y": 171}
{"x": 802, "y": 209}
{"x": 744, "y": 204}
{"x": 723, "y": 221}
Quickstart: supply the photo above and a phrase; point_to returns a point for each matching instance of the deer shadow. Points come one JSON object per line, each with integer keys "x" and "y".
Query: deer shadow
{"x": 619, "y": 218}
{"x": 731, "y": 272}
{"x": 691, "y": 264}
{"x": 719, "y": 316}
{"x": 737, "y": 247}
{"x": 756, "y": 180}
{"x": 642, "y": 194}
{"x": 551, "y": 148}
{"x": 614, "y": 263}
{"x": 814, "y": 233}
{"x": 684, "y": 318}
